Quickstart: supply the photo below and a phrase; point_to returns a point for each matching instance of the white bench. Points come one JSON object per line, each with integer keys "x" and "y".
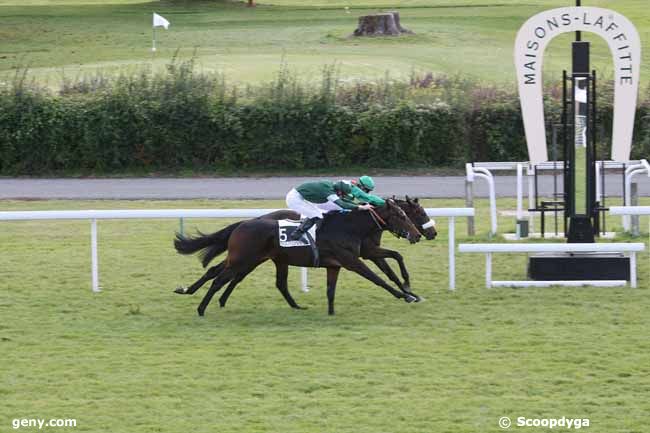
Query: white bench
{"x": 488, "y": 249}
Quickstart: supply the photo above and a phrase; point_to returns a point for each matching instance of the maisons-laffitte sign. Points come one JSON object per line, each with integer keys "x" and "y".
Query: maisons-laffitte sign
{"x": 625, "y": 45}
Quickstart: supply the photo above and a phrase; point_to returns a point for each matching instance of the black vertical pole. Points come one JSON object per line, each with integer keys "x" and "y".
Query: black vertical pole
{"x": 592, "y": 156}
{"x": 578, "y": 34}
{"x": 565, "y": 150}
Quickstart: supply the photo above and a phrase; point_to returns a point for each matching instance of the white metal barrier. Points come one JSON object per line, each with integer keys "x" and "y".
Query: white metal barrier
{"x": 629, "y": 210}
{"x": 483, "y": 173}
{"x": 489, "y": 249}
{"x": 630, "y": 172}
{"x": 94, "y": 215}
{"x": 484, "y": 170}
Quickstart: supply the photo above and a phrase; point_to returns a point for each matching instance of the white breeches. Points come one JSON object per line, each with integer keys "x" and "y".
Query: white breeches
{"x": 305, "y": 208}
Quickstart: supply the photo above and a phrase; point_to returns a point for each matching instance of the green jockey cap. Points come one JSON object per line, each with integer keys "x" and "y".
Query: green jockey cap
{"x": 361, "y": 191}
{"x": 367, "y": 183}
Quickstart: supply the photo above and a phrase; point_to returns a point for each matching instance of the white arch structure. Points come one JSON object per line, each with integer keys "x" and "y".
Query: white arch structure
{"x": 625, "y": 45}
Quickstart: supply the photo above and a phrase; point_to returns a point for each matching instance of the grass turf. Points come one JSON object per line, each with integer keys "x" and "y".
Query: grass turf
{"x": 136, "y": 358}
{"x": 60, "y": 39}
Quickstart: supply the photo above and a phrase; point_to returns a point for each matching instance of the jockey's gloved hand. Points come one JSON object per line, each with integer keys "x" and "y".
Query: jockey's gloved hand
{"x": 365, "y": 206}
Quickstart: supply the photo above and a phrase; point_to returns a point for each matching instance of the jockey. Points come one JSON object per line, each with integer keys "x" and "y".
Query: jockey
{"x": 361, "y": 191}
{"x": 314, "y": 199}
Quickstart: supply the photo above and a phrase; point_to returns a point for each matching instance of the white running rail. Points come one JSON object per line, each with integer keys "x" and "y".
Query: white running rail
{"x": 94, "y": 215}
{"x": 489, "y": 249}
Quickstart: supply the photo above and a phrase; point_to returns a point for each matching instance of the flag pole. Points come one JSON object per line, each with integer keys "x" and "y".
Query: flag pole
{"x": 153, "y": 48}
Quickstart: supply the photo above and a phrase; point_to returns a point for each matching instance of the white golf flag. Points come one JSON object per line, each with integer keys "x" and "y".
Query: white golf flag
{"x": 159, "y": 21}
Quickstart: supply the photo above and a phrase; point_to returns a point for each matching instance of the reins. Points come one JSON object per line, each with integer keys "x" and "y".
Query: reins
{"x": 379, "y": 221}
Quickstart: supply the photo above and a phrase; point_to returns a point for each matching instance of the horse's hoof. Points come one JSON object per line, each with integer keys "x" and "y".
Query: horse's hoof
{"x": 201, "y": 312}
{"x": 180, "y": 290}
{"x": 410, "y": 298}
{"x": 420, "y": 299}
{"x": 298, "y": 307}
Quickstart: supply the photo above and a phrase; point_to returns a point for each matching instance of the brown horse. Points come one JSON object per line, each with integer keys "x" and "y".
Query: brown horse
{"x": 213, "y": 244}
{"x": 339, "y": 241}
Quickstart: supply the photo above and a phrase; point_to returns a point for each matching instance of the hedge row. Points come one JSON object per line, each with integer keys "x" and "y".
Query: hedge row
{"x": 189, "y": 122}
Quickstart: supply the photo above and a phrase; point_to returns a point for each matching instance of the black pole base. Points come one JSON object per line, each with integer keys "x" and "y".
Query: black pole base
{"x": 578, "y": 266}
{"x": 580, "y": 230}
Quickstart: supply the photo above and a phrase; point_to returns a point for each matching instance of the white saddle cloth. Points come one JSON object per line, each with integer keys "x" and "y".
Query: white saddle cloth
{"x": 287, "y": 227}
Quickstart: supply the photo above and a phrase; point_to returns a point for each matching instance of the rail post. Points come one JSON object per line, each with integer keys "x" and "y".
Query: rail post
{"x": 452, "y": 253}
{"x": 469, "y": 202}
{"x": 634, "y": 201}
{"x": 93, "y": 255}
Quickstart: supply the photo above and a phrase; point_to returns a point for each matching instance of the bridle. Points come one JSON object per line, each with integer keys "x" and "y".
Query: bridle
{"x": 381, "y": 224}
{"x": 430, "y": 222}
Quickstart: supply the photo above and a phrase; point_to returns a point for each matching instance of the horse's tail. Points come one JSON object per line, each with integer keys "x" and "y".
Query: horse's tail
{"x": 210, "y": 245}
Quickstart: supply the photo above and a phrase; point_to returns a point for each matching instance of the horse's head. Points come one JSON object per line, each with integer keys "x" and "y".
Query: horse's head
{"x": 417, "y": 214}
{"x": 397, "y": 222}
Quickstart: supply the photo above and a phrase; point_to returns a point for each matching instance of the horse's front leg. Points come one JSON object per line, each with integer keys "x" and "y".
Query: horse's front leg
{"x": 378, "y": 257}
{"x": 385, "y": 254}
{"x": 382, "y": 264}
{"x": 353, "y": 263}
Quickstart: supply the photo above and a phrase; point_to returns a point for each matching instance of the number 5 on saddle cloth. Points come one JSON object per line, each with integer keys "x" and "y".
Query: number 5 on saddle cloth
{"x": 287, "y": 227}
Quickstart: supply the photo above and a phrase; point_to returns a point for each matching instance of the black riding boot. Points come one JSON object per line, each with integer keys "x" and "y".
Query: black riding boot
{"x": 304, "y": 226}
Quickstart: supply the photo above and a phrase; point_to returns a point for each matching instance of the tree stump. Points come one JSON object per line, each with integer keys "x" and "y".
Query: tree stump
{"x": 399, "y": 24}
{"x": 384, "y": 24}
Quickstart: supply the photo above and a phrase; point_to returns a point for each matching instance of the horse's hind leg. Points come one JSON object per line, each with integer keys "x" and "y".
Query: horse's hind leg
{"x": 217, "y": 284}
{"x": 229, "y": 274}
{"x": 231, "y": 287}
{"x": 332, "y": 278}
{"x": 210, "y": 274}
{"x": 281, "y": 275}
{"x": 226, "y": 294}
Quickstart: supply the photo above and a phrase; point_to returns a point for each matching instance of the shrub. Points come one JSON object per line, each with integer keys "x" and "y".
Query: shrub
{"x": 180, "y": 119}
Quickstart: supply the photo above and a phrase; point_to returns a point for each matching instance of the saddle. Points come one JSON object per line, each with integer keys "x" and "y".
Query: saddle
{"x": 308, "y": 240}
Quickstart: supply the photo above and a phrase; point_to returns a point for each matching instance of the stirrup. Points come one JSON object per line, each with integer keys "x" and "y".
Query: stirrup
{"x": 300, "y": 230}
{"x": 303, "y": 228}
{"x": 297, "y": 234}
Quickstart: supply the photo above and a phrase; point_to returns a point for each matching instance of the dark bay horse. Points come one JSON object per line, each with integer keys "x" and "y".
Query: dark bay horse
{"x": 212, "y": 245}
{"x": 339, "y": 241}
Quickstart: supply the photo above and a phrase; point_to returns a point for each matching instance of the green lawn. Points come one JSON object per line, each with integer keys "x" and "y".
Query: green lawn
{"x": 69, "y": 38}
{"x": 136, "y": 358}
